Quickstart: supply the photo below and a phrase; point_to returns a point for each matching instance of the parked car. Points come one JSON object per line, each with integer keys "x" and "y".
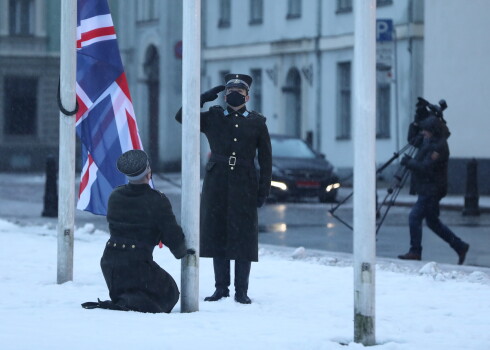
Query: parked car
{"x": 299, "y": 171}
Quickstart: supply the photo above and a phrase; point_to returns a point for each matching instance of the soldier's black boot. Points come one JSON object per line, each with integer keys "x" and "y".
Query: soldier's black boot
{"x": 222, "y": 278}
{"x": 242, "y": 297}
{"x": 218, "y": 294}
{"x": 242, "y": 273}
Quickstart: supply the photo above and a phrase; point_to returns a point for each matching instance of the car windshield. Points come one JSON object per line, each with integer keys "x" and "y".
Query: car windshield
{"x": 290, "y": 148}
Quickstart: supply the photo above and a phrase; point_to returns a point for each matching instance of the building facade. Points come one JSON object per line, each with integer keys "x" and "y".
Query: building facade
{"x": 457, "y": 70}
{"x": 150, "y": 40}
{"x": 299, "y": 53}
{"x": 29, "y": 72}
{"x": 302, "y": 52}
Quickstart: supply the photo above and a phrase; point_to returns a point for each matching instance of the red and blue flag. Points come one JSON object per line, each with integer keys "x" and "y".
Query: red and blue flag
{"x": 105, "y": 122}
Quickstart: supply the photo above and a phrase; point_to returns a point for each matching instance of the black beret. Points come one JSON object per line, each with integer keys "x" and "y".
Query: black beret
{"x": 238, "y": 80}
{"x": 134, "y": 164}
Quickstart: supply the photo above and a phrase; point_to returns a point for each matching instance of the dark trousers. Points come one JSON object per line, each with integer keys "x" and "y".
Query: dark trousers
{"x": 222, "y": 274}
{"x": 427, "y": 207}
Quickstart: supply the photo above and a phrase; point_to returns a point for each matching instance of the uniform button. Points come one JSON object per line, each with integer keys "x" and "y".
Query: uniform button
{"x": 233, "y": 153}
{"x": 236, "y": 115}
{"x": 108, "y": 243}
{"x": 235, "y": 139}
{"x": 236, "y": 125}
{"x": 114, "y": 244}
{"x": 232, "y": 168}
{"x": 124, "y": 245}
{"x": 133, "y": 246}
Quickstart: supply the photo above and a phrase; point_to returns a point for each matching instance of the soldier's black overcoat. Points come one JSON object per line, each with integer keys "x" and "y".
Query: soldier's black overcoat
{"x": 229, "y": 226}
{"x": 139, "y": 217}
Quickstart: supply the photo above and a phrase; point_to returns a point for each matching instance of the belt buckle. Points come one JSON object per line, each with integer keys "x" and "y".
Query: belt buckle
{"x": 232, "y": 160}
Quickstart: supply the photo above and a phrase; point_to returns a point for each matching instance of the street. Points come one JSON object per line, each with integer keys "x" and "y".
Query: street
{"x": 305, "y": 224}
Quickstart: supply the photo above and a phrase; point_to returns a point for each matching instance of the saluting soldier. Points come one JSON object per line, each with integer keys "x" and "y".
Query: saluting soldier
{"x": 139, "y": 218}
{"x": 232, "y": 191}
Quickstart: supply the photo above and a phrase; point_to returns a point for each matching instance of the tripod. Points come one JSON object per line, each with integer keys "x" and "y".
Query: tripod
{"x": 401, "y": 182}
{"x": 397, "y": 184}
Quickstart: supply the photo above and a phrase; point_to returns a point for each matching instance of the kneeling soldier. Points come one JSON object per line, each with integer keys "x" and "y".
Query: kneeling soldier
{"x": 139, "y": 218}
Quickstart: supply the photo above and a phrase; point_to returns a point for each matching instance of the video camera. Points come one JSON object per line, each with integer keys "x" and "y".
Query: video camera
{"x": 424, "y": 109}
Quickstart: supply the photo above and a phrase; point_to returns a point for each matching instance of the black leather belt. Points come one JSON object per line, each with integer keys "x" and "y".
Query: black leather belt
{"x": 129, "y": 244}
{"x": 231, "y": 160}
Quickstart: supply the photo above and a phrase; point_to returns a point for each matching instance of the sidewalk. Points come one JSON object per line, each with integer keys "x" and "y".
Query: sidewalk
{"x": 450, "y": 202}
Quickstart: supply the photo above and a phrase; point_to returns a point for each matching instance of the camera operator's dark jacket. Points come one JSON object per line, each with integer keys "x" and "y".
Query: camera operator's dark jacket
{"x": 415, "y": 138}
{"x": 230, "y": 194}
{"x": 139, "y": 217}
{"x": 429, "y": 167}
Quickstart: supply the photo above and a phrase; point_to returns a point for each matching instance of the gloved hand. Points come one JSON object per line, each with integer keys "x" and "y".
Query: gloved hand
{"x": 406, "y": 158}
{"x": 212, "y": 94}
{"x": 260, "y": 201}
{"x": 191, "y": 251}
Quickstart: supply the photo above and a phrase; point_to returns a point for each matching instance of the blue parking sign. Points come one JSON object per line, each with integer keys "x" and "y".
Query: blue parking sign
{"x": 384, "y": 30}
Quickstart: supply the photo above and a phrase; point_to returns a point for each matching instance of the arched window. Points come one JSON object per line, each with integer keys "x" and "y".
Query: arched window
{"x": 292, "y": 94}
{"x": 152, "y": 72}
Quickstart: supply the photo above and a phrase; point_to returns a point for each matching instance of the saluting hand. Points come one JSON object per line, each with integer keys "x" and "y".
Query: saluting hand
{"x": 211, "y": 94}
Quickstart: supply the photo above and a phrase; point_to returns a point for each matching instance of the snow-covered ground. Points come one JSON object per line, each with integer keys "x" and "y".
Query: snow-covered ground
{"x": 300, "y": 301}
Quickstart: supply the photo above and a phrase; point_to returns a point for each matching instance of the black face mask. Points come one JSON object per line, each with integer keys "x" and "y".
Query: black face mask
{"x": 235, "y": 99}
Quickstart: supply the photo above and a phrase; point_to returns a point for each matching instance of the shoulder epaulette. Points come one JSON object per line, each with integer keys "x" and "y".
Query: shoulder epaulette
{"x": 217, "y": 107}
{"x": 160, "y": 193}
{"x": 257, "y": 114}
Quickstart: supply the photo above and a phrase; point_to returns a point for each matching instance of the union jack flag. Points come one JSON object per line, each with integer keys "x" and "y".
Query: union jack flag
{"x": 105, "y": 121}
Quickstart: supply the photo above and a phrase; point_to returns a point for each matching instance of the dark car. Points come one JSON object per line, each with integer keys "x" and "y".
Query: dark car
{"x": 299, "y": 171}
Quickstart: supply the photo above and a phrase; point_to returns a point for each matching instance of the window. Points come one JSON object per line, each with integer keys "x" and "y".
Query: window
{"x": 224, "y": 13}
{"x": 384, "y": 2}
{"x": 294, "y": 9}
{"x": 146, "y": 10}
{"x": 343, "y": 100}
{"x": 21, "y": 17}
{"x": 20, "y": 106}
{"x": 256, "y": 90}
{"x": 344, "y": 6}
{"x": 256, "y": 11}
{"x": 383, "y": 110}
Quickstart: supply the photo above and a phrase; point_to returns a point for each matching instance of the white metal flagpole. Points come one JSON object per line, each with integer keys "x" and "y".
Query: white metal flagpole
{"x": 364, "y": 107}
{"x": 66, "y": 176}
{"x": 191, "y": 86}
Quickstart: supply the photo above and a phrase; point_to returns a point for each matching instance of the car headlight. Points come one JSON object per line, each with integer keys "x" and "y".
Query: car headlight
{"x": 332, "y": 187}
{"x": 279, "y": 185}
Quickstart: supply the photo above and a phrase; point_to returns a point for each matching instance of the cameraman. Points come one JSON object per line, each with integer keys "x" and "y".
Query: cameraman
{"x": 423, "y": 110}
{"x": 429, "y": 175}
